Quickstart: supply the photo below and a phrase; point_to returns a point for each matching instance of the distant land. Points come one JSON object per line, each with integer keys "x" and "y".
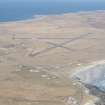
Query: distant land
{"x": 52, "y": 52}
{"x": 39, "y": 57}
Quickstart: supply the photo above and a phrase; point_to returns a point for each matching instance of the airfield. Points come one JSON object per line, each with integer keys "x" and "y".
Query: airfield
{"x": 38, "y": 56}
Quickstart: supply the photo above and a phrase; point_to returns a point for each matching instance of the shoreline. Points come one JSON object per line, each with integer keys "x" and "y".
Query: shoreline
{"x": 40, "y": 17}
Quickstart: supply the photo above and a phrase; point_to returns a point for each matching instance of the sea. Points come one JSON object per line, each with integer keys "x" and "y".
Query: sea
{"x": 14, "y": 10}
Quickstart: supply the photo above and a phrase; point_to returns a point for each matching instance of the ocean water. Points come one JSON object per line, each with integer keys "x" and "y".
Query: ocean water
{"x": 20, "y": 10}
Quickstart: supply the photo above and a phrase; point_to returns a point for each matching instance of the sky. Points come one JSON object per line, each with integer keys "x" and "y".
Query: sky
{"x": 69, "y": 1}
{"x": 56, "y": 0}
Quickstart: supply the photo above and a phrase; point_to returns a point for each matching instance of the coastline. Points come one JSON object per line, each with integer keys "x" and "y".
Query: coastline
{"x": 40, "y": 17}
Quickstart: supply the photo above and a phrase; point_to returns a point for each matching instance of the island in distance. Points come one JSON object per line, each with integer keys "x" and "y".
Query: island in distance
{"x": 39, "y": 57}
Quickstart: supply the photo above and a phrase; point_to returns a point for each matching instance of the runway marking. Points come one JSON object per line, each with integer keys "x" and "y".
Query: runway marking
{"x": 61, "y": 45}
